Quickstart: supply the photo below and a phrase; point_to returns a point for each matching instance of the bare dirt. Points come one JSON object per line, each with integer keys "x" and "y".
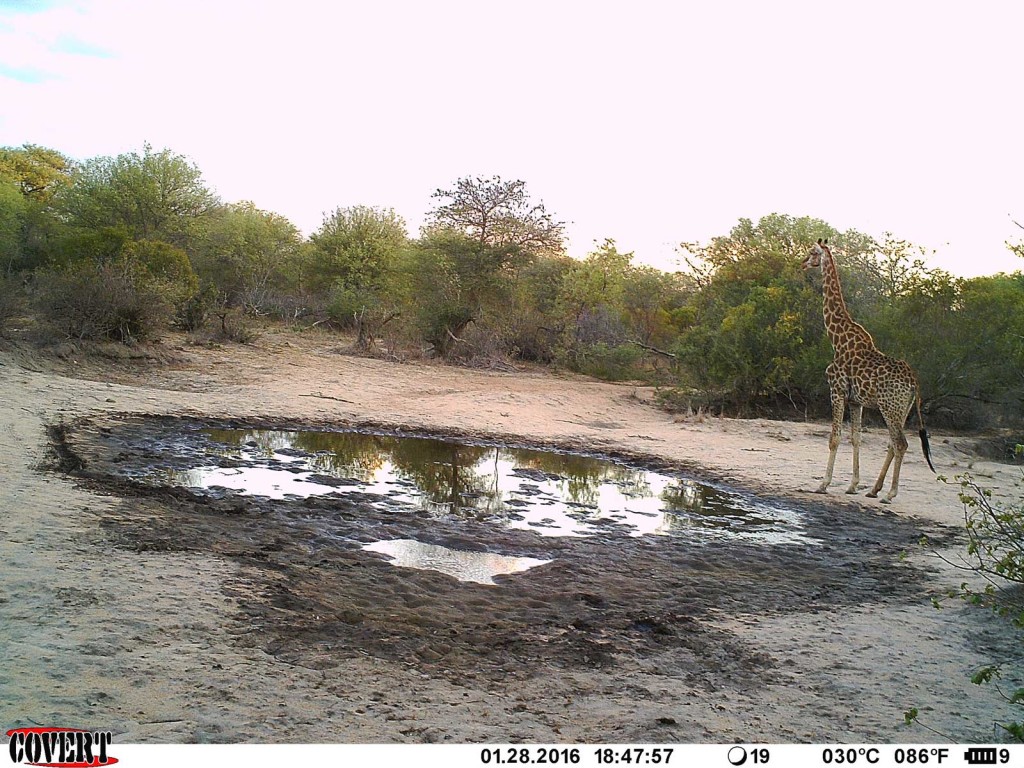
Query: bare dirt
{"x": 167, "y": 617}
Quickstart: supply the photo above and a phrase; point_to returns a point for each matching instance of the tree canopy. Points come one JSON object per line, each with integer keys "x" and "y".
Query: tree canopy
{"x": 150, "y": 196}
{"x": 356, "y": 246}
{"x": 499, "y": 214}
{"x": 37, "y": 171}
{"x": 118, "y": 247}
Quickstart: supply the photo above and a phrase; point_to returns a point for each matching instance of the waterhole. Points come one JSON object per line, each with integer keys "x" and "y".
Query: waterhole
{"x": 551, "y": 493}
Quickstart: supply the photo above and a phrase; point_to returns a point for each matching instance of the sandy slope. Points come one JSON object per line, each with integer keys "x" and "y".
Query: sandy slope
{"x": 148, "y": 642}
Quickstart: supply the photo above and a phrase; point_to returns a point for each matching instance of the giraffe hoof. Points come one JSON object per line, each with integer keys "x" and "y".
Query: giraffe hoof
{"x": 885, "y": 500}
{"x": 872, "y": 494}
{"x": 821, "y": 489}
{"x": 852, "y": 489}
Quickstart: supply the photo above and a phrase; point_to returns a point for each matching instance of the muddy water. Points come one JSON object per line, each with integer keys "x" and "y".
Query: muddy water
{"x": 551, "y": 493}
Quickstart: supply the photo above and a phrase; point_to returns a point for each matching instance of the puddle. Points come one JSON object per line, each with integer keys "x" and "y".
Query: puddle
{"x": 548, "y": 492}
{"x": 478, "y": 567}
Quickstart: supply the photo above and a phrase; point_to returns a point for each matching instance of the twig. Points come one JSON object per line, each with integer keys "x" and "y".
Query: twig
{"x": 457, "y": 339}
{"x": 159, "y": 722}
{"x": 326, "y": 397}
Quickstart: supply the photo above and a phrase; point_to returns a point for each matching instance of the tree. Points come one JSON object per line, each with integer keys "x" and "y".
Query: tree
{"x": 759, "y": 344}
{"x": 478, "y": 240}
{"x": 533, "y": 320}
{"x": 450, "y": 274}
{"x": 876, "y": 273}
{"x": 1018, "y": 247}
{"x": 649, "y": 297}
{"x": 355, "y": 247}
{"x": 245, "y": 253}
{"x": 12, "y": 219}
{"x": 37, "y": 171}
{"x": 167, "y": 265}
{"x": 757, "y": 338}
{"x": 152, "y": 196}
{"x": 498, "y": 214}
{"x": 592, "y": 298}
{"x": 611, "y": 310}
{"x": 30, "y": 177}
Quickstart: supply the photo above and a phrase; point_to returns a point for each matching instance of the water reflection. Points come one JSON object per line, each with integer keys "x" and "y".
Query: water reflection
{"x": 554, "y": 494}
{"x": 478, "y": 567}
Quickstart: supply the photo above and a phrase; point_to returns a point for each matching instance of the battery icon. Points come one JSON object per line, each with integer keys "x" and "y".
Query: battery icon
{"x": 980, "y": 756}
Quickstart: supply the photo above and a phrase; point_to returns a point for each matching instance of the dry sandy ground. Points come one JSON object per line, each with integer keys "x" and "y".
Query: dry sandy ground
{"x": 167, "y": 622}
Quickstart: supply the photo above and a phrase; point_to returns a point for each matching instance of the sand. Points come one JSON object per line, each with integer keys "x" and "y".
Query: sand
{"x": 167, "y": 619}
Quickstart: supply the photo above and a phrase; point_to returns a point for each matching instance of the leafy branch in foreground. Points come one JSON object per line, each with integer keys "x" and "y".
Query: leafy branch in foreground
{"x": 995, "y": 549}
{"x": 995, "y": 552}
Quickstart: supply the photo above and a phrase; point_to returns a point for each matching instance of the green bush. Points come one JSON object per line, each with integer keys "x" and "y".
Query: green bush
{"x": 610, "y": 362}
{"x": 345, "y": 304}
{"x": 442, "y": 326}
{"x": 194, "y": 313}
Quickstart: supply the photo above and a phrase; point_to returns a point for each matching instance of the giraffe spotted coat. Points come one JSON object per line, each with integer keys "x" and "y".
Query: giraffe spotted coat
{"x": 863, "y": 377}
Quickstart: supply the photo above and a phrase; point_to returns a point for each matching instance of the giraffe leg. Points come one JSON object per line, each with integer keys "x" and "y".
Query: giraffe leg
{"x": 899, "y": 441}
{"x": 885, "y": 470}
{"x": 897, "y": 449}
{"x": 856, "y": 411}
{"x": 838, "y": 407}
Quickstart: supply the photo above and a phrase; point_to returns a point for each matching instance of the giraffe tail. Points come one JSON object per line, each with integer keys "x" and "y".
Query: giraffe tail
{"x": 924, "y": 435}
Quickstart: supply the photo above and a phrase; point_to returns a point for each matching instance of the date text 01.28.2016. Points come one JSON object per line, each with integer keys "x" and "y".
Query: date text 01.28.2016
{"x": 573, "y": 755}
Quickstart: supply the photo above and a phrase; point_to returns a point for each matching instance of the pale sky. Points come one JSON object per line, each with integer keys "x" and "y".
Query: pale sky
{"x": 651, "y": 123}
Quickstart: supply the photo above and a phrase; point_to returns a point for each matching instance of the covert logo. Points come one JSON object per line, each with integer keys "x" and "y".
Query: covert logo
{"x": 60, "y": 747}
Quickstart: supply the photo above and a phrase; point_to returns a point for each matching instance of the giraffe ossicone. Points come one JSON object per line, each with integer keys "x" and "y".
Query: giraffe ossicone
{"x": 863, "y": 377}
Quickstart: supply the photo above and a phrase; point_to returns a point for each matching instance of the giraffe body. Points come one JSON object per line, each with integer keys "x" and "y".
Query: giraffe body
{"x": 861, "y": 376}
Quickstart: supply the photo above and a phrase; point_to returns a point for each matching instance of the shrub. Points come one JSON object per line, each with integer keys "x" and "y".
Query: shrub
{"x": 605, "y": 361}
{"x": 532, "y": 340}
{"x": 10, "y": 300}
{"x": 194, "y": 313}
{"x": 344, "y": 305}
{"x": 234, "y": 326}
{"x": 166, "y": 265}
{"x": 442, "y": 326}
{"x": 114, "y": 301}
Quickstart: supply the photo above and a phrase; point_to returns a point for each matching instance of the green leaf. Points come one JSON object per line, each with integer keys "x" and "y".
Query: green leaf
{"x": 985, "y": 674}
{"x": 1014, "y": 729}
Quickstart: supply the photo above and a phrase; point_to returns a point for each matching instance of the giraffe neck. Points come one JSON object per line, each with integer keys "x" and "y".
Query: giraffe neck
{"x": 837, "y": 316}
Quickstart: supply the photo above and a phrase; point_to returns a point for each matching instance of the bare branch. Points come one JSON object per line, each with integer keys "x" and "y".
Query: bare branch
{"x": 653, "y": 349}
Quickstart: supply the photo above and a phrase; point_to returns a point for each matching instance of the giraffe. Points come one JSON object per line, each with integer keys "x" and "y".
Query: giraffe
{"x": 862, "y": 376}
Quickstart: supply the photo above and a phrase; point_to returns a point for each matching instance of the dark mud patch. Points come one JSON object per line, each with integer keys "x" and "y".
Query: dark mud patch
{"x": 62, "y": 458}
{"x": 308, "y": 593}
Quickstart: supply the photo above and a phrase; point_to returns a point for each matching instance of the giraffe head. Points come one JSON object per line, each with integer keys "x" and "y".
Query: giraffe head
{"x": 813, "y": 259}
